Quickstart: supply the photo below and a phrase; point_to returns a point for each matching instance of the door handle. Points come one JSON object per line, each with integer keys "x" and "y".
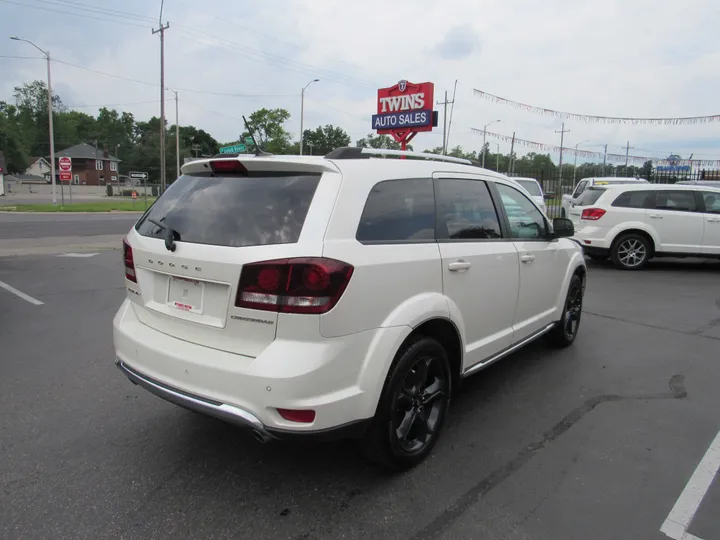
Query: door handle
{"x": 457, "y": 266}
{"x": 655, "y": 216}
{"x": 527, "y": 258}
{"x": 714, "y": 220}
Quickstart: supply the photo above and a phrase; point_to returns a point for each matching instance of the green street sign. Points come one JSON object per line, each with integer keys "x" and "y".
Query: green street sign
{"x": 249, "y": 141}
{"x": 234, "y": 149}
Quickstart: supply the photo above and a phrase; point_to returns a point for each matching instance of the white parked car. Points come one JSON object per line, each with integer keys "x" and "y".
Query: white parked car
{"x": 632, "y": 224}
{"x": 569, "y": 199}
{"x": 535, "y": 190}
{"x": 310, "y": 297}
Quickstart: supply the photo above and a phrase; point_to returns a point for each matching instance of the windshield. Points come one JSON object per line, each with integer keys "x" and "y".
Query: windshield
{"x": 232, "y": 211}
{"x": 531, "y": 186}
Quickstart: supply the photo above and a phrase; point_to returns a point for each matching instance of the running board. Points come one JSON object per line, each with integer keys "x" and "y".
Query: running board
{"x": 502, "y": 354}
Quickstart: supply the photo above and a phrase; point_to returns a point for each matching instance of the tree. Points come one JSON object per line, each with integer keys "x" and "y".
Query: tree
{"x": 11, "y": 139}
{"x": 269, "y": 131}
{"x": 324, "y": 140}
{"x": 381, "y": 142}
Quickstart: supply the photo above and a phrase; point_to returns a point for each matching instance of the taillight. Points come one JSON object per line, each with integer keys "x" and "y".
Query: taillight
{"x": 129, "y": 261}
{"x": 228, "y": 166}
{"x": 592, "y": 214}
{"x": 307, "y": 285}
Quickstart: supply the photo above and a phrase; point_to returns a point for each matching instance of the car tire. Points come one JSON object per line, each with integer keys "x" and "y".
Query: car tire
{"x": 413, "y": 406}
{"x": 630, "y": 252}
{"x": 565, "y": 330}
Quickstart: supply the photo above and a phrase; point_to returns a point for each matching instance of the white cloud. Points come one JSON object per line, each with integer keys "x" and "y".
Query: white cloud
{"x": 609, "y": 57}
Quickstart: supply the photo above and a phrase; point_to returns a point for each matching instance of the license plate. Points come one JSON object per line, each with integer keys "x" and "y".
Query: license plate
{"x": 186, "y": 294}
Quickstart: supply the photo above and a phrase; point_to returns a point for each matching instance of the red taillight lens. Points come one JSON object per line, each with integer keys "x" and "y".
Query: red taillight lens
{"x": 129, "y": 261}
{"x": 228, "y": 166}
{"x": 592, "y": 214}
{"x": 306, "y": 416}
{"x": 308, "y": 285}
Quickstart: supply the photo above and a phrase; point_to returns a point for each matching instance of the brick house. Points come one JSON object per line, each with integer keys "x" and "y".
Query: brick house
{"x": 90, "y": 167}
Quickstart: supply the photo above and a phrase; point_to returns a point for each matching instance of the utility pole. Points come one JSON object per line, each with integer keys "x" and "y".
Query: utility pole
{"x": 627, "y": 156}
{"x": 161, "y": 31}
{"x": 302, "y": 112}
{"x": 445, "y": 122}
{"x": 447, "y": 139}
{"x": 497, "y": 158}
{"x": 484, "y": 134}
{"x": 604, "y": 159}
{"x": 562, "y": 133}
{"x": 177, "y": 135}
{"x": 511, "y": 167}
{"x": 50, "y": 119}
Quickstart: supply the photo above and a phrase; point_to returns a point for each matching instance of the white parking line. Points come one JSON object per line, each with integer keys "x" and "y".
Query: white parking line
{"x": 682, "y": 513}
{"x": 21, "y": 294}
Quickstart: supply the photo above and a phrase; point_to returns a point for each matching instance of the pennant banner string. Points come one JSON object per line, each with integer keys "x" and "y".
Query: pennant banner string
{"x": 683, "y": 120}
{"x": 589, "y": 154}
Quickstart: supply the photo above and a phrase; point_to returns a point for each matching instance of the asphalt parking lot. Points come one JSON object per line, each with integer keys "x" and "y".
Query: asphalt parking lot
{"x": 598, "y": 441}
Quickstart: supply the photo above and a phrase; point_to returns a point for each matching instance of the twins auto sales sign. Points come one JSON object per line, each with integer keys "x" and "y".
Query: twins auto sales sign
{"x": 405, "y": 107}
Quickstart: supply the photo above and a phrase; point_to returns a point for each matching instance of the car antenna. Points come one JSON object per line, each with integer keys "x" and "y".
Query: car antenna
{"x": 258, "y": 151}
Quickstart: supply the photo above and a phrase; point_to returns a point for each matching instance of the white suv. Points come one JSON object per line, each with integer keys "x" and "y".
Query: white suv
{"x": 569, "y": 199}
{"x": 339, "y": 296}
{"x": 632, "y": 224}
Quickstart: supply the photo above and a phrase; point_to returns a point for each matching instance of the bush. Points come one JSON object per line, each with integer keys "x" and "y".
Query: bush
{"x": 109, "y": 190}
{"x": 154, "y": 191}
{"x": 127, "y": 192}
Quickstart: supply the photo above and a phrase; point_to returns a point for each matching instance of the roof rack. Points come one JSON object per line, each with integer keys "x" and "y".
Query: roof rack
{"x": 351, "y": 152}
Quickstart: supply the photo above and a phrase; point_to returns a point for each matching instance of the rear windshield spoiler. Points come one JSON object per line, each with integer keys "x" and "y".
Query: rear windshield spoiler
{"x": 279, "y": 164}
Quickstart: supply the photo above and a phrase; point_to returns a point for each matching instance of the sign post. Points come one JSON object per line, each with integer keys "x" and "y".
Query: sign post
{"x": 65, "y": 164}
{"x": 139, "y": 175}
{"x": 404, "y": 110}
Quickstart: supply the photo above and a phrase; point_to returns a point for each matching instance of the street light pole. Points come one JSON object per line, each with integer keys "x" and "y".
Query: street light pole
{"x": 177, "y": 134}
{"x": 50, "y": 116}
{"x": 302, "y": 112}
{"x": 497, "y": 158}
{"x": 575, "y": 165}
{"x": 484, "y": 134}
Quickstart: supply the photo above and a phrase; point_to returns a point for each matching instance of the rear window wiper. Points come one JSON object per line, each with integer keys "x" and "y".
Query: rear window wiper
{"x": 170, "y": 236}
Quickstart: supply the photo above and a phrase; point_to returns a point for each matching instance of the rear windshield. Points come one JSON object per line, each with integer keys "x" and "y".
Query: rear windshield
{"x": 233, "y": 211}
{"x": 532, "y": 187}
{"x": 590, "y": 196}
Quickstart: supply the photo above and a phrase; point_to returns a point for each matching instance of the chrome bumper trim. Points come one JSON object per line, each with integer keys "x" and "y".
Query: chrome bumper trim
{"x": 223, "y": 411}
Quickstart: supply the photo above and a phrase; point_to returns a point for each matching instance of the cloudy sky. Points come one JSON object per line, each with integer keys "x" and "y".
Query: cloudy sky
{"x": 639, "y": 58}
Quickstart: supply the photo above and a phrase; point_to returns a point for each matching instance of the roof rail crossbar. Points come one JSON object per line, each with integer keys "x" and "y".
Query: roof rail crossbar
{"x": 349, "y": 152}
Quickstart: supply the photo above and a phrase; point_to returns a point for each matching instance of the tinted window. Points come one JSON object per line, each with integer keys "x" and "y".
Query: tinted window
{"x": 712, "y": 202}
{"x": 679, "y": 201}
{"x": 398, "y": 210}
{"x": 632, "y": 199}
{"x": 532, "y": 187}
{"x": 526, "y": 221}
{"x": 233, "y": 211}
{"x": 466, "y": 211}
{"x": 579, "y": 189}
{"x": 590, "y": 196}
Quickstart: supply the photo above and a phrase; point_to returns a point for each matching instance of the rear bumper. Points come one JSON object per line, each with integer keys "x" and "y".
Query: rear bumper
{"x": 236, "y": 415}
{"x": 335, "y": 377}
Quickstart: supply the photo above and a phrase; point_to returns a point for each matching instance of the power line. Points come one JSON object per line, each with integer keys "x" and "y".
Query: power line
{"x": 74, "y": 14}
{"x": 22, "y": 57}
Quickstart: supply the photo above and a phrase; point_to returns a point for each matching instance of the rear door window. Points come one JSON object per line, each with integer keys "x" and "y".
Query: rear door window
{"x": 398, "y": 211}
{"x": 633, "y": 199}
{"x": 233, "y": 211}
{"x": 466, "y": 211}
{"x": 678, "y": 201}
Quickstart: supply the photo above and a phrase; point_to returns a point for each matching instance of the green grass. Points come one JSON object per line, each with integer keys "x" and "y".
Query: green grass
{"x": 100, "y": 206}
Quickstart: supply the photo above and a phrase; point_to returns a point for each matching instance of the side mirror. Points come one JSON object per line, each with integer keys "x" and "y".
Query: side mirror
{"x": 563, "y": 228}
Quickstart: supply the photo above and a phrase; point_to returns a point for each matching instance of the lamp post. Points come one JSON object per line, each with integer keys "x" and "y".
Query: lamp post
{"x": 302, "y": 111}
{"x": 50, "y": 116}
{"x": 575, "y": 165}
{"x": 484, "y": 134}
{"x": 497, "y": 158}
